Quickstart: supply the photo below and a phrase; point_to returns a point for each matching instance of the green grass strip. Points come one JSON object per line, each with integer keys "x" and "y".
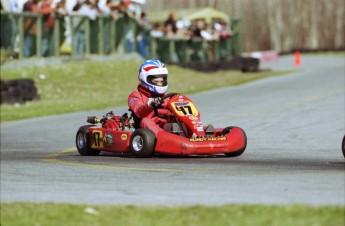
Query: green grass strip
{"x": 49, "y": 214}
{"x": 82, "y": 86}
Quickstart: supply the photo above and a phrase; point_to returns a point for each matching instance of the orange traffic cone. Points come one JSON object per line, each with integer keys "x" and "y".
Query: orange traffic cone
{"x": 297, "y": 58}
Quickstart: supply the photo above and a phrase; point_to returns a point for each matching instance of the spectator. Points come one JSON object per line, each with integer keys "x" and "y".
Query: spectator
{"x": 60, "y": 14}
{"x": 156, "y": 31}
{"x": 113, "y": 10}
{"x": 30, "y": 28}
{"x": 9, "y": 6}
{"x": 20, "y": 5}
{"x": 8, "y": 24}
{"x": 207, "y": 36}
{"x": 104, "y": 7}
{"x": 224, "y": 30}
{"x": 60, "y": 8}
{"x": 82, "y": 8}
{"x": 202, "y": 32}
{"x": 122, "y": 7}
{"x": 136, "y": 10}
{"x": 108, "y": 9}
{"x": 47, "y": 48}
{"x": 224, "y": 33}
{"x": 142, "y": 39}
{"x": 172, "y": 22}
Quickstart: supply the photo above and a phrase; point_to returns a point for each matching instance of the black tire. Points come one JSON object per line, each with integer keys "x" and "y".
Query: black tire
{"x": 83, "y": 142}
{"x": 18, "y": 91}
{"x": 142, "y": 143}
{"x": 343, "y": 146}
{"x": 225, "y": 131}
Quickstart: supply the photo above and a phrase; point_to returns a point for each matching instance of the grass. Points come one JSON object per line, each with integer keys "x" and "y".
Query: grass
{"x": 6, "y": 56}
{"x": 49, "y": 214}
{"x": 82, "y": 86}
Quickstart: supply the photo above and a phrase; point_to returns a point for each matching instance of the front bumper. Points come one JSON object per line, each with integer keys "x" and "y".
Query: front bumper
{"x": 168, "y": 143}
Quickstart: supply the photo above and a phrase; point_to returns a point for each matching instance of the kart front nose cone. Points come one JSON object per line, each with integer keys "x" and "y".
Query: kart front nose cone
{"x": 137, "y": 143}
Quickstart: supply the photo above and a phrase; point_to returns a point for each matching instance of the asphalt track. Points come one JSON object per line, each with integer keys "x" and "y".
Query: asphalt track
{"x": 294, "y": 124}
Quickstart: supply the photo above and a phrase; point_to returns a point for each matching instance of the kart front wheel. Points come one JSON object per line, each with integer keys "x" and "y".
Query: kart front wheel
{"x": 142, "y": 143}
{"x": 83, "y": 142}
{"x": 227, "y": 130}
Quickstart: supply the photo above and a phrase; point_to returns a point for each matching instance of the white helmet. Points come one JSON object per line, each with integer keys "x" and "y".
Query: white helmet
{"x": 150, "y": 70}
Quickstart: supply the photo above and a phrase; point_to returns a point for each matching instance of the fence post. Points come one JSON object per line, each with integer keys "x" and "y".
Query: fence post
{"x": 21, "y": 35}
{"x": 153, "y": 48}
{"x": 56, "y": 36}
{"x": 133, "y": 27}
{"x": 71, "y": 20}
{"x": 216, "y": 50}
{"x": 172, "y": 51}
{"x": 112, "y": 35}
{"x": 236, "y": 37}
{"x": 39, "y": 26}
{"x": 100, "y": 35}
{"x": 87, "y": 35}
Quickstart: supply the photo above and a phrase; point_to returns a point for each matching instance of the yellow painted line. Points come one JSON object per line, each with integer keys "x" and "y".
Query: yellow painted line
{"x": 54, "y": 158}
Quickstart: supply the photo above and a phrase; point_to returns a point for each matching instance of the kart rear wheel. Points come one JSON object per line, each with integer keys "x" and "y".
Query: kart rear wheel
{"x": 142, "y": 143}
{"x": 83, "y": 142}
{"x": 227, "y": 130}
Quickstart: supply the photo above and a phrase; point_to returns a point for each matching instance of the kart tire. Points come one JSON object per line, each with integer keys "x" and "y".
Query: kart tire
{"x": 83, "y": 142}
{"x": 142, "y": 143}
{"x": 227, "y": 130}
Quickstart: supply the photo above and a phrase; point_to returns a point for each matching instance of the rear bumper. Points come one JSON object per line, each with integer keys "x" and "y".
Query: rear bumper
{"x": 172, "y": 144}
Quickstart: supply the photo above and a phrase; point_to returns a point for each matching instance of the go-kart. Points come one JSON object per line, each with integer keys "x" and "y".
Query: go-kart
{"x": 183, "y": 134}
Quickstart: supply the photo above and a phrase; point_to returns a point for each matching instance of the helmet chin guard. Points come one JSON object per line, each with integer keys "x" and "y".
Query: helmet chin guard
{"x": 151, "y": 68}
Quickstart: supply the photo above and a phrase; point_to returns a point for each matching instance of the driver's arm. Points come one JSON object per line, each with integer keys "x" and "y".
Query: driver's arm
{"x": 164, "y": 110}
{"x": 139, "y": 105}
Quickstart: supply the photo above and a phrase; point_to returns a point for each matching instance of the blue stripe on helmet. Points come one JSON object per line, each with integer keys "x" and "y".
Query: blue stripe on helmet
{"x": 152, "y": 62}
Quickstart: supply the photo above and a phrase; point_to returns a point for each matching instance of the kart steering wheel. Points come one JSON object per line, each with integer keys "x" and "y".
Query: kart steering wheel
{"x": 155, "y": 109}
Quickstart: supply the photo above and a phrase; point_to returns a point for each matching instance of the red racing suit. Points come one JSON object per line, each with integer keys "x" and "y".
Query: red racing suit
{"x": 137, "y": 102}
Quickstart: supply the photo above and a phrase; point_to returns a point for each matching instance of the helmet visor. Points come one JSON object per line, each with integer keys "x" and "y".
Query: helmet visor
{"x": 158, "y": 80}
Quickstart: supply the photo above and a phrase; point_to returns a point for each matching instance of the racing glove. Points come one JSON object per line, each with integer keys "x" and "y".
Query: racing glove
{"x": 154, "y": 102}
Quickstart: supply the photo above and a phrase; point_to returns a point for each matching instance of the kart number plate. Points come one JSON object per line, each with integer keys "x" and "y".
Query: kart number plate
{"x": 185, "y": 108}
{"x": 97, "y": 136}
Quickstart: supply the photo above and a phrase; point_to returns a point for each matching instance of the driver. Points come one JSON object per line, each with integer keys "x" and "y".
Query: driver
{"x": 153, "y": 84}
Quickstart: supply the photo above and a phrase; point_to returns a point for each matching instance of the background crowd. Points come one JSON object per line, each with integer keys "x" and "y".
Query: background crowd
{"x": 51, "y": 10}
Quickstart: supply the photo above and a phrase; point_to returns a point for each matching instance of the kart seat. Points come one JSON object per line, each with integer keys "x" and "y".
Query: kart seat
{"x": 173, "y": 128}
{"x": 136, "y": 119}
{"x": 209, "y": 130}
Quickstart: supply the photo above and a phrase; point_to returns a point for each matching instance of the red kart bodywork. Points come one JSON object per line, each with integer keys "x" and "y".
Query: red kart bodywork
{"x": 168, "y": 143}
{"x": 116, "y": 132}
{"x": 111, "y": 136}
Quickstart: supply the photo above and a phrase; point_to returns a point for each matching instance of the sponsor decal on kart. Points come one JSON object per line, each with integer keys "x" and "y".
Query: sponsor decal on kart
{"x": 109, "y": 139}
{"x": 181, "y": 103}
{"x": 200, "y": 139}
{"x": 123, "y": 136}
{"x": 200, "y": 128}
